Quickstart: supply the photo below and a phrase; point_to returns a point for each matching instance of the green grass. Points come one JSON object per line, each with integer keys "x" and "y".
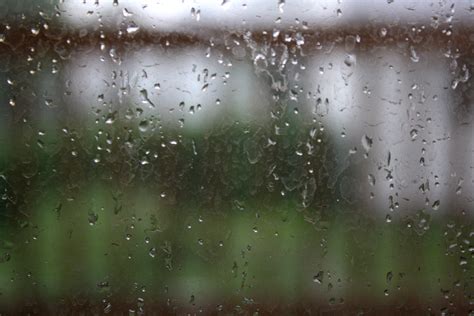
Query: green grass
{"x": 217, "y": 230}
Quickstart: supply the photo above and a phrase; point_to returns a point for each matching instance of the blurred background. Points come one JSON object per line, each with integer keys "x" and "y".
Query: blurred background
{"x": 242, "y": 157}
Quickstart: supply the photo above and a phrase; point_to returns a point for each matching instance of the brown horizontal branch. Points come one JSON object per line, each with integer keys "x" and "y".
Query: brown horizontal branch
{"x": 21, "y": 38}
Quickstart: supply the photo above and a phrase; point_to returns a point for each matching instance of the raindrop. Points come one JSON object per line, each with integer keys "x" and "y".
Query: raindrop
{"x": 49, "y": 103}
{"x": 281, "y": 4}
{"x": 371, "y": 179}
{"x": 366, "y": 142}
{"x": 413, "y": 55}
{"x": 318, "y": 278}
{"x": 196, "y": 14}
{"x": 110, "y": 119}
{"x": 93, "y": 218}
{"x": 126, "y": 12}
{"x": 299, "y": 38}
{"x": 145, "y": 99}
{"x": 143, "y": 126}
{"x": 422, "y": 222}
{"x": 132, "y": 28}
{"x": 350, "y": 60}
{"x": 454, "y": 84}
{"x": 225, "y": 3}
{"x": 108, "y": 308}
{"x": 115, "y": 57}
{"x": 422, "y": 161}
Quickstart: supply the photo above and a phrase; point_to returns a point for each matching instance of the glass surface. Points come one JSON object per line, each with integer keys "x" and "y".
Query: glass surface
{"x": 236, "y": 157}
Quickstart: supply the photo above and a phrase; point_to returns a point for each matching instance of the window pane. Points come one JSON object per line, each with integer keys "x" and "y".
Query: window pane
{"x": 233, "y": 157}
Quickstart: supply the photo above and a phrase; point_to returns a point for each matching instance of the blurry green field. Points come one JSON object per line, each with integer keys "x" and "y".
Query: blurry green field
{"x": 174, "y": 231}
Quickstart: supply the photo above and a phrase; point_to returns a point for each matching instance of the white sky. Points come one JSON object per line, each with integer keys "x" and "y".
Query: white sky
{"x": 167, "y": 15}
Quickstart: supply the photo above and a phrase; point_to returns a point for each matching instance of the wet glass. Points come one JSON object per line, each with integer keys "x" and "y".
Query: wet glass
{"x": 236, "y": 157}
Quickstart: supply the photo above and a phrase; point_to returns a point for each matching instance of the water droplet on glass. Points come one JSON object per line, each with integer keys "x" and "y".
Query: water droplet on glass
{"x": 413, "y": 55}
{"x": 281, "y": 4}
{"x": 132, "y": 28}
{"x": 110, "y": 119}
{"x": 93, "y": 218}
{"x": 371, "y": 179}
{"x": 225, "y": 3}
{"x": 366, "y": 142}
{"x": 145, "y": 99}
{"x": 108, "y": 308}
{"x": 143, "y": 126}
{"x": 350, "y": 60}
{"x": 318, "y": 278}
{"x": 126, "y": 12}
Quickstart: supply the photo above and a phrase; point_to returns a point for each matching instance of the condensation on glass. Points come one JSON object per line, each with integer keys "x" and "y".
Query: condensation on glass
{"x": 236, "y": 157}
